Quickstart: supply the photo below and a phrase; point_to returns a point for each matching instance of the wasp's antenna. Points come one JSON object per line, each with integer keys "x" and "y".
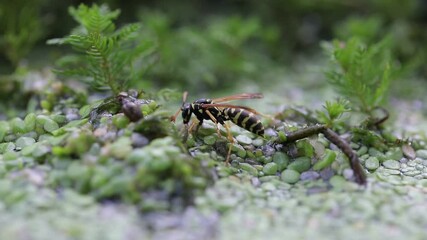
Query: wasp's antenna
{"x": 184, "y": 98}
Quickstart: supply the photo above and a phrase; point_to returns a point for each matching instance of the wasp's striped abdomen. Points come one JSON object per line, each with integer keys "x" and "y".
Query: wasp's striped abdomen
{"x": 244, "y": 119}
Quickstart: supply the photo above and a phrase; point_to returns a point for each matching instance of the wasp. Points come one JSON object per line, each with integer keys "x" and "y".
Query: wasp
{"x": 218, "y": 111}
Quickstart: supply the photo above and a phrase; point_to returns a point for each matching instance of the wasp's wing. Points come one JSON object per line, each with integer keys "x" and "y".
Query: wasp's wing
{"x": 237, "y": 97}
{"x": 220, "y": 105}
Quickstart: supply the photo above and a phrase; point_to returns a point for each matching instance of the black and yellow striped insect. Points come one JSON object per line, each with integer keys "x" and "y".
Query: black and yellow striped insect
{"x": 217, "y": 111}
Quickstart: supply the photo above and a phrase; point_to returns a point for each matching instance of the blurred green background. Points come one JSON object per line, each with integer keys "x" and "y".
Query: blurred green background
{"x": 213, "y": 45}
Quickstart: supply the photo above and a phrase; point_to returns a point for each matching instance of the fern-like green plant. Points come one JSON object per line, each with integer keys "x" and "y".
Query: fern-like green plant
{"x": 106, "y": 55}
{"x": 360, "y": 73}
{"x": 333, "y": 112}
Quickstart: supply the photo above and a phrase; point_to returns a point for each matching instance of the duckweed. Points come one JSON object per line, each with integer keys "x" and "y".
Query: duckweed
{"x": 290, "y": 176}
{"x": 300, "y": 164}
{"x": 270, "y": 168}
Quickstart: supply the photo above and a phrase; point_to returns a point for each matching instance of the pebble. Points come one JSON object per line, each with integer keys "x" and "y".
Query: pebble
{"x": 268, "y": 150}
{"x": 72, "y": 114}
{"x": 348, "y": 174}
{"x": 403, "y": 160}
{"x": 327, "y": 173}
{"x": 243, "y": 139}
{"x": 278, "y": 147}
{"x": 422, "y": 153}
{"x": 391, "y": 164}
{"x": 139, "y": 140}
{"x": 408, "y": 151}
{"x": 309, "y": 175}
{"x": 255, "y": 182}
{"x": 270, "y": 132}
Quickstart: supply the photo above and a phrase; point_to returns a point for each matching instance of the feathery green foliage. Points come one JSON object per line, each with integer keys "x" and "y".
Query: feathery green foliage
{"x": 107, "y": 55}
{"x": 361, "y": 73}
{"x": 333, "y": 112}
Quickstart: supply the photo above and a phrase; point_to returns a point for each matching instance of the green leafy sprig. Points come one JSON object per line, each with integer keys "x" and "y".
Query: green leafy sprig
{"x": 360, "y": 73}
{"x": 333, "y": 111}
{"x": 107, "y": 55}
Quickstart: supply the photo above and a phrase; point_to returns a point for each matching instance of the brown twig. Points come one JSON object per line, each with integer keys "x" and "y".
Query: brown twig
{"x": 335, "y": 139}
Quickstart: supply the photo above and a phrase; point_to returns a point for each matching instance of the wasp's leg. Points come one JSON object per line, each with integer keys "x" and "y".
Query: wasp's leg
{"x": 215, "y": 121}
{"x": 194, "y": 123}
{"x": 231, "y": 140}
{"x": 186, "y": 132}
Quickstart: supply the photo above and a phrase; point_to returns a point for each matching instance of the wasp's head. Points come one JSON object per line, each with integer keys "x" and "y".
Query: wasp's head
{"x": 186, "y": 112}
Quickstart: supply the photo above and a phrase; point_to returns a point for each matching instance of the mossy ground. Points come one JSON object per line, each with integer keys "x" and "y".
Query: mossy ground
{"x": 64, "y": 177}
